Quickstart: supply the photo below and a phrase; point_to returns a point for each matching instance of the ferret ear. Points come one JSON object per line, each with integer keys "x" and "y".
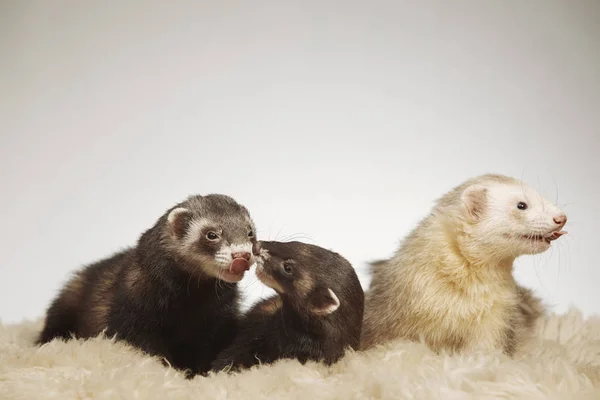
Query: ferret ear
{"x": 475, "y": 198}
{"x": 323, "y": 301}
{"x": 178, "y": 221}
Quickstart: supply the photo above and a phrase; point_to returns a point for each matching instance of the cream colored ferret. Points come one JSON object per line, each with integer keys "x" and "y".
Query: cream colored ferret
{"x": 450, "y": 283}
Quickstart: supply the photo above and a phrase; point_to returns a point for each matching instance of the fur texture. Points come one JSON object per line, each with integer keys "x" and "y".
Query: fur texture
{"x": 316, "y": 314}
{"x": 451, "y": 284}
{"x": 171, "y": 295}
{"x": 562, "y": 363}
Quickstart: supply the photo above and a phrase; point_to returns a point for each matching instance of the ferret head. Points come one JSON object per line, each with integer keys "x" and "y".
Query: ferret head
{"x": 315, "y": 281}
{"x": 214, "y": 236}
{"x": 508, "y": 217}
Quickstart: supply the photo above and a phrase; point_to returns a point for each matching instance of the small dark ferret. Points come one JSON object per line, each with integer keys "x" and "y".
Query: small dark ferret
{"x": 316, "y": 315}
{"x": 173, "y": 295}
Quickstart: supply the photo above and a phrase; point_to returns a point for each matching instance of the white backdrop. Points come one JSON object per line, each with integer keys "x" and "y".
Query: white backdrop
{"x": 337, "y": 123}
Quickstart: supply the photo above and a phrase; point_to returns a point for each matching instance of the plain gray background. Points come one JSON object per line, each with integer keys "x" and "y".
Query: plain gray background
{"x": 337, "y": 123}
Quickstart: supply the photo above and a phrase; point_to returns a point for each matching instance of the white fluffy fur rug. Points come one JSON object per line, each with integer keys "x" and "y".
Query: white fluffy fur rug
{"x": 563, "y": 363}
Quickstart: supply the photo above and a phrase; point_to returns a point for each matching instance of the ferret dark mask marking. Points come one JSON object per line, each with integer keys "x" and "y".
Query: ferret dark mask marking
{"x": 316, "y": 315}
{"x": 299, "y": 275}
{"x": 213, "y": 237}
{"x": 174, "y": 294}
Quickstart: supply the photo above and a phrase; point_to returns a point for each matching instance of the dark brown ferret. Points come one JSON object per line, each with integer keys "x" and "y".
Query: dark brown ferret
{"x": 174, "y": 294}
{"x": 316, "y": 315}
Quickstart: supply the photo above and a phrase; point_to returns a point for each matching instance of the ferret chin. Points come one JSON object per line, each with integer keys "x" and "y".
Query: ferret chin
{"x": 450, "y": 283}
{"x": 174, "y": 294}
{"x": 316, "y": 315}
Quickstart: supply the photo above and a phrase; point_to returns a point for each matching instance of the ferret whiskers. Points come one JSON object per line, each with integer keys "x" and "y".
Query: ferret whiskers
{"x": 297, "y": 236}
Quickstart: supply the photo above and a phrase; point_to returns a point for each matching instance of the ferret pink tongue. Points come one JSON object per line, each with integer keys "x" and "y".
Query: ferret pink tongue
{"x": 556, "y": 235}
{"x": 239, "y": 266}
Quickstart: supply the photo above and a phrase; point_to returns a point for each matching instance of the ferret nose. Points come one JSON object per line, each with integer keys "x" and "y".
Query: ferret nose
{"x": 560, "y": 220}
{"x": 245, "y": 255}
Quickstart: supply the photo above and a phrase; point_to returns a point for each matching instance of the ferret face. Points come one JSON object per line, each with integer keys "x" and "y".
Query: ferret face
{"x": 306, "y": 276}
{"x": 513, "y": 219}
{"x": 214, "y": 234}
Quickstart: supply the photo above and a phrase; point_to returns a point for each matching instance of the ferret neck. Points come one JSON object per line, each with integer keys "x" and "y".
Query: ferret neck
{"x": 476, "y": 258}
{"x": 299, "y": 321}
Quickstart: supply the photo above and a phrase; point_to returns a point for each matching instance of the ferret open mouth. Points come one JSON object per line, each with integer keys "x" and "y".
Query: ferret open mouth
{"x": 236, "y": 270}
{"x": 544, "y": 238}
{"x": 239, "y": 266}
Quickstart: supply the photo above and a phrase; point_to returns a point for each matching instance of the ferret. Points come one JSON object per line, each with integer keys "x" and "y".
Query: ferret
{"x": 173, "y": 295}
{"x": 316, "y": 315}
{"x": 450, "y": 283}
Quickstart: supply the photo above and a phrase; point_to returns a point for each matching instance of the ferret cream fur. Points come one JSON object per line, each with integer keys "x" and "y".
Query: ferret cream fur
{"x": 450, "y": 284}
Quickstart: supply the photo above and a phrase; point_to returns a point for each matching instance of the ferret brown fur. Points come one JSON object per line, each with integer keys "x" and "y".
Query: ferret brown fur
{"x": 174, "y": 294}
{"x": 316, "y": 315}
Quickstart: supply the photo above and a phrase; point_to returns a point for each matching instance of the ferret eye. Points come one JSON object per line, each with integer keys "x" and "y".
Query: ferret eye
{"x": 250, "y": 234}
{"x": 212, "y": 236}
{"x": 522, "y": 206}
{"x": 287, "y": 268}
